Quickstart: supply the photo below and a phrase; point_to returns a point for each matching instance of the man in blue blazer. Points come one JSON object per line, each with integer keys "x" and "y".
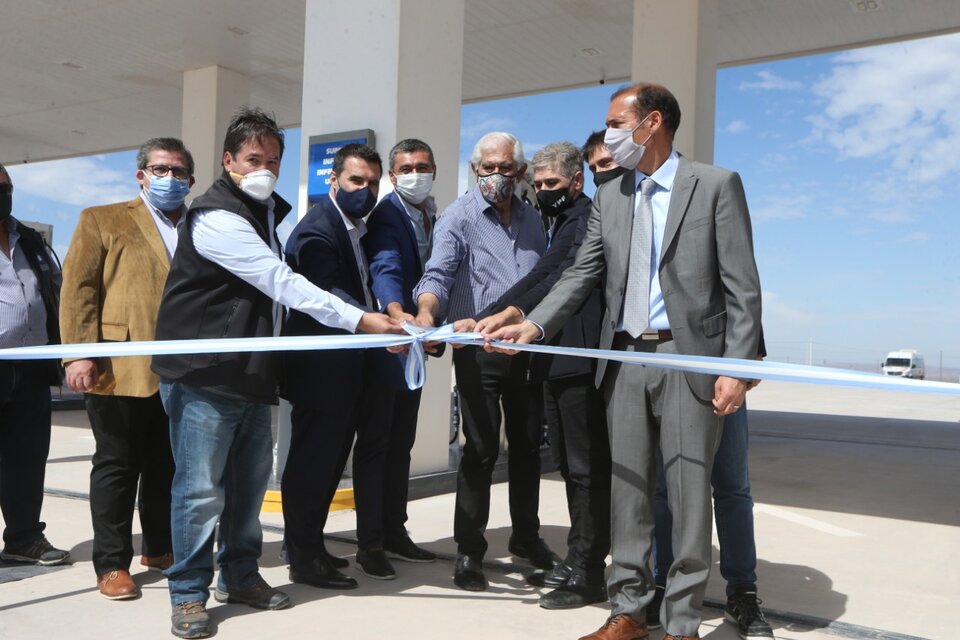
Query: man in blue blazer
{"x": 337, "y": 393}
{"x": 398, "y": 242}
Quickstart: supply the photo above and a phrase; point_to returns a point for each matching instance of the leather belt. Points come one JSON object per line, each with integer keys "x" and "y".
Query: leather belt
{"x": 657, "y": 334}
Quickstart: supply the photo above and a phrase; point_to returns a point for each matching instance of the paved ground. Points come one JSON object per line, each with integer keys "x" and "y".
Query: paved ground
{"x": 858, "y": 534}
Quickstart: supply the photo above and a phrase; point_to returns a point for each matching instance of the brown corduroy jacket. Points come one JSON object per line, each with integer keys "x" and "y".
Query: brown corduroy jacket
{"x": 113, "y": 277}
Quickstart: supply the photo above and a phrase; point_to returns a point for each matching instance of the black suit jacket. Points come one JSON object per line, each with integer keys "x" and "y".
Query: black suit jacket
{"x": 583, "y": 327}
{"x": 319, "y": 248}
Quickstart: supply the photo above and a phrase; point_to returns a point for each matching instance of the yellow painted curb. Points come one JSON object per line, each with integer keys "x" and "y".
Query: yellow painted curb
{"x": 343, "y": 499}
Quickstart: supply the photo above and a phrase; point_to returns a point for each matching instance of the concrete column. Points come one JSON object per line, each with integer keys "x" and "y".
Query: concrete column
{"x": 674, "y": 44}
{"x": 210, "y": 98}
{"x": 393, "y": 66}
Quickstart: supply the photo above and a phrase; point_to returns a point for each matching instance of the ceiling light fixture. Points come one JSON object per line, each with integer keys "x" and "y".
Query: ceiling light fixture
{"x": 238, "y": 31}
{"x": 587, "y": 52}
{"x": 72, "y": 65}
{"x": 865, "y": 6}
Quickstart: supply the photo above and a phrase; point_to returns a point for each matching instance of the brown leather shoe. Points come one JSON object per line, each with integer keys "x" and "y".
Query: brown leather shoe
{"x": 620, "y": 627}
{"x": 157, "y": 563}
{"x": 117, "y": 585}
{"x": 667, "y": 636}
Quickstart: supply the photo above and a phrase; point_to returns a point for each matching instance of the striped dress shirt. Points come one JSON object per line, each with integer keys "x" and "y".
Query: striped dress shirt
{"x": 475, "y": 258}
{"x": 23, "y": 317}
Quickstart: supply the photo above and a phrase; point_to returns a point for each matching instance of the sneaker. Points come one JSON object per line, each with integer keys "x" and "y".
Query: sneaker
{"x": 374, "y": 564}
{"x": 259, "y": 596}
{"x": 405, "y": 549}
{"x": 743, "y": 610}
{"x": 190, "y": 620}
{"x": 653, "y": 609}
{"x": 39, "y": 552}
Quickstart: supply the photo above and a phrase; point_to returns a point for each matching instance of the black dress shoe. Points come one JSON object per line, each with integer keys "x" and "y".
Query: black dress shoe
{"x": 321, "y": 574}
{"x": 468, "y": 574}
{"x": 336, "y": 561}
{"x": 553, "y": 578}
{"x": 374, "y": 564}
{"x": 405, "y": 549}
{"x": 576, "y": 592}
{"x": 537, "y": 552}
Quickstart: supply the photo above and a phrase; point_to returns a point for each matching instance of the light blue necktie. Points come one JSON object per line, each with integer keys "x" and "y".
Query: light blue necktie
{"x": 636, "y": 303}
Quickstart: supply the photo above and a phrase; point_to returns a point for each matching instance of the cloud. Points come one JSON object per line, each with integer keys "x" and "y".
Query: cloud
{"x": 915, "y": 237}
{"x": 778, "y": 312}
{"x": 773, "y": 159}
{"x": 476, "y": 124}
{"x": 737, "y": 126}
{"x": 769, "y": 81}
{"x": 780, "y": 207}
{"x": 895, "y": 103}
{"x": 75, "y": 181}
{"x": 892, "y": 217}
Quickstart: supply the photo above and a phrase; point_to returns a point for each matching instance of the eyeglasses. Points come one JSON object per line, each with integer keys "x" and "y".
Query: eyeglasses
{"x": 161, "y": 171}
{"x": 6, "y": 188}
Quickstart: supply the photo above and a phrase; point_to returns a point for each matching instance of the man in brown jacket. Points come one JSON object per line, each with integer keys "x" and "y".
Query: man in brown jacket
{"x": 113, "y": 277}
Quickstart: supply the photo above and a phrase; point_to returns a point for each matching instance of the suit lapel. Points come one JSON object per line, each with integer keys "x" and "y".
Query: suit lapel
{"x": 408, "y": 225}
{"x": 144, "y": 219}
{"x": 346, "y": 249}
{"x": 622, "y": 226}
{"x": 683, "y": 186}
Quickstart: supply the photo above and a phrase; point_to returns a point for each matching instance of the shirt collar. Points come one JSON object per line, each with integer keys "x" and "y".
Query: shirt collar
{"x": 665, "y": 173}
{"x": 152, "y": 209}
{"x": 516, "y": 207}
{"x": 349, "y": 222}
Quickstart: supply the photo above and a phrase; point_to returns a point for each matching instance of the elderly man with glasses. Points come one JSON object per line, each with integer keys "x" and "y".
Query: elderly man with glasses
{"x": 114, "y": 274}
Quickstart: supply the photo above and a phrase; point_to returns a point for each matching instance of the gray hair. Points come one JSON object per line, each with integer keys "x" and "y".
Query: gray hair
{"x": 495, "y": 139}
{"x": 173, "y": 145}
{"x": 562, "y": 157}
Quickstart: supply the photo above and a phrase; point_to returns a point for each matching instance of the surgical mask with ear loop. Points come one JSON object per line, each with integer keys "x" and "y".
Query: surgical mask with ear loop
{"x": 623, "y": 149}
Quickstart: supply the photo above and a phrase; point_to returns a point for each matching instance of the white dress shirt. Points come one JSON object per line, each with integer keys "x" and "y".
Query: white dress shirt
{"x": 228, "y": 240}
{"x": 169, "y": 231}
{"x": 356, "y": 229}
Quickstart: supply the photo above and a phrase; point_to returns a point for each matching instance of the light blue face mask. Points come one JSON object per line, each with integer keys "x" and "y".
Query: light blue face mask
{"x": 167, "y": 193}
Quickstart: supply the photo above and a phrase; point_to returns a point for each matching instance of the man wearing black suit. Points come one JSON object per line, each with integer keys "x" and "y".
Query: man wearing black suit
{"x": 575, "y": 413}
{"x": 398, "y": 243}
{"x": 337, "y": 393}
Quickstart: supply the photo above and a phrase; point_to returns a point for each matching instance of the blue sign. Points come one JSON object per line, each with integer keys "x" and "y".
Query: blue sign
{"x": 323, "y": 148}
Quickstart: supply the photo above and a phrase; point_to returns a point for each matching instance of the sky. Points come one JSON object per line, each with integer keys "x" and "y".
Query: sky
{"x": 851, "y": 173}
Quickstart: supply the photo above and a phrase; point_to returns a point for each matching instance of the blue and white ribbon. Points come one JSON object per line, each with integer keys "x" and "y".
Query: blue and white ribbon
{"x": 415, "y": 367}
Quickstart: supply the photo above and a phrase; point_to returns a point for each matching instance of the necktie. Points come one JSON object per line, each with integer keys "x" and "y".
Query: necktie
{"x": 426, "y": 222}
{"x": 636, "y": 303}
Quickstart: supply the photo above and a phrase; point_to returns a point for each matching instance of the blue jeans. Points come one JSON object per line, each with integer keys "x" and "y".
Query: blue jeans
{"x": 222, "y": 449}
{"x": 732, "y": 508}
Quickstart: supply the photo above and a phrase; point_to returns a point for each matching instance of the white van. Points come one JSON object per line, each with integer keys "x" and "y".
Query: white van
{"x": 906, "y": 363}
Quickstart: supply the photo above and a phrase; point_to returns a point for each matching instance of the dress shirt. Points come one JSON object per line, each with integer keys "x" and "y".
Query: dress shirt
{"x": 424, "y": 235}
{"x": 231, "y": 242}
{"x": 475, "y": 258}
{"x": 660, "y": 203}
{"x": 356, "y": 229}
{"x": 169, "y": 232}
{"x": 23, "y": 316}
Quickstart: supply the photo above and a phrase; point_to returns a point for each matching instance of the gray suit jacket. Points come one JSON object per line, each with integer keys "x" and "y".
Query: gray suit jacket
{"x": 707, "y": 271}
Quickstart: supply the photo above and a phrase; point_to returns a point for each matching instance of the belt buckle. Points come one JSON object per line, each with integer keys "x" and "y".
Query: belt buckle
{"x": 650, "y": 335}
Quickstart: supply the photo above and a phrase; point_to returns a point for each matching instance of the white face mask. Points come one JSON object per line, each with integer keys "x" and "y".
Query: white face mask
{"x": 623, "y": 149}
{"x": 414, "y": 187}
{"x": 258, "y": 184}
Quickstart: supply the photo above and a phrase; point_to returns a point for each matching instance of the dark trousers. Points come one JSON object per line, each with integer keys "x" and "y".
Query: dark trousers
{"x": 132, "y": 464}
{"x": 396, "y": 473}
{"x": 24, "y": 445}
{"x": 320, "y": 442}
{"x": 485, "y": 382}
{"x": 576, "y": 422}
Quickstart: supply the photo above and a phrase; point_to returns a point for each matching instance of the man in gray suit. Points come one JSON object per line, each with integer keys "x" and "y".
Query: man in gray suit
{"x": 671, "y": 242}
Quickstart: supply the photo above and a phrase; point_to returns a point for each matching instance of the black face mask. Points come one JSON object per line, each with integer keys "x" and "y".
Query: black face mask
{"x": 602, "y": 177}
{"x": 553, "y": 203}
{"x": 6, "y": 205}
